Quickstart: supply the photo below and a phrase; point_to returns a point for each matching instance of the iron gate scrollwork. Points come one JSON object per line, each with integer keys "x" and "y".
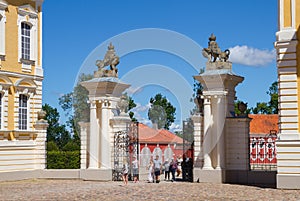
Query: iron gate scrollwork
{"x": 126, "y": 146}
{"x": 133, "y": 132}
{"x": 121, "y": 152}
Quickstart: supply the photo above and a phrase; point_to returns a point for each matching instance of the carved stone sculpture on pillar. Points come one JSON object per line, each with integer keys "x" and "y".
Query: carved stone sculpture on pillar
{"x": 110, "y": 59}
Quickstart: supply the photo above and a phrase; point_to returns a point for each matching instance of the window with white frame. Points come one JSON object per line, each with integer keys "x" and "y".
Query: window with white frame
{"x": 27, "y": 36}
{"x": 23, "y": 112}
{"x": 25, "y": 40}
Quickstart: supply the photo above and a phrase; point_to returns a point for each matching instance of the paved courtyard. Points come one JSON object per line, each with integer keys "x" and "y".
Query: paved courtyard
{"x": 94, "y": 190}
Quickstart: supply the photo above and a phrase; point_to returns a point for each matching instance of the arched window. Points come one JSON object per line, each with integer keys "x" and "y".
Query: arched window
{"x": 23, "y": 112}
{"x": 25, "y": 37}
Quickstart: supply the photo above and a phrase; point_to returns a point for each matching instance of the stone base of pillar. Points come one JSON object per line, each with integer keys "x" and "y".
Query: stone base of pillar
{"x": 288, "y": 161}
{"x": 19, "y": 175}
{"x": 210, "y": 176}
{"x": 286, "y": 181}
{"x": 96, "y": 174}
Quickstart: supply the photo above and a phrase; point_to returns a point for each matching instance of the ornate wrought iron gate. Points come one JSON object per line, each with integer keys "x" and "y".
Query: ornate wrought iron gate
{"x": 125, "y": 148}
{"x": 121, "y": 153}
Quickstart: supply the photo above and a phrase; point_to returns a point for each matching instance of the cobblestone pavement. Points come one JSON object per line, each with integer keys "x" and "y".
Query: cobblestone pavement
{"x": 94, "y": 190}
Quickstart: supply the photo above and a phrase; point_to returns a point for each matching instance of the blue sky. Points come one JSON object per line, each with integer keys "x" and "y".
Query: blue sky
{"x": 159, "y": 43}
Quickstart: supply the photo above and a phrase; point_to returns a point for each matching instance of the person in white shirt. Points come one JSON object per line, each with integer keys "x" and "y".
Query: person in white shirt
{"x": 135, "y": 169}
{"x": 157, "y": 168}
{"x": 125, "y": 170}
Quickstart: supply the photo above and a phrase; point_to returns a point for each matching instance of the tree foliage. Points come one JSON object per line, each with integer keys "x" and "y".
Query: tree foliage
{"x": 270, "y": 107}
{"x": 63, "y": 159}
{"x": 131, "y": 106}
{"x": 63, "y": 150}
{"x": 162, "y": 112}
{"x": 76, "y": 107}
{"x": 55, "y": 132}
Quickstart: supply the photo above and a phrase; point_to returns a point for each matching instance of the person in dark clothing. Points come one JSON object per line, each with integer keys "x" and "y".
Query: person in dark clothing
{"x": 173, "y": 168}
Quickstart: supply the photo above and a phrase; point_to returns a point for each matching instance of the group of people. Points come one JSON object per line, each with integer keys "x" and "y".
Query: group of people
{"x": 157, "y": 168}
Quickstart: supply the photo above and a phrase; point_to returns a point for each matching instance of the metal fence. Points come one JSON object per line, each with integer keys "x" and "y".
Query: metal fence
{"x": 263, "y": 152}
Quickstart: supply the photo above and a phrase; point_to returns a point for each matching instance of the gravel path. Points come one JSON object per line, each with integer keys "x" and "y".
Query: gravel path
{"x": 94, "y": 190}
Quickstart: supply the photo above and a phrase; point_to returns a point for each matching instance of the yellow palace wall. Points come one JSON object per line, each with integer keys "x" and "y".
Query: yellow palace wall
{"x": 21, "y": 149}
{"x": 288, "y": 67}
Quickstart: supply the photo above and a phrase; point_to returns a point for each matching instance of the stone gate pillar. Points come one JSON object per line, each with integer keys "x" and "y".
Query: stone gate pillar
{"x": 105, "y": 91}
{"x": 219, "y": 82}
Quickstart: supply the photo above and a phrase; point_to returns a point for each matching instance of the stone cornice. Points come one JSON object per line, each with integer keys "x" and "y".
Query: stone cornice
{"x": 286, "y": 43}
{"x": 25, "y": 89}
{"x": 215, "y": 93}
{"x": 19, "y": 75}
{"x": 27, "y": 10}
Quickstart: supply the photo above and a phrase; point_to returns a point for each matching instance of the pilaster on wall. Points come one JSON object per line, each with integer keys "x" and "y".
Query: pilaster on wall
{"x": 40, "y": 156}
{"x": 198, "y": 140}
{"x": 287, "y": 84}
{"x": 84, "y": 145}
{"x": 288, "y": 162}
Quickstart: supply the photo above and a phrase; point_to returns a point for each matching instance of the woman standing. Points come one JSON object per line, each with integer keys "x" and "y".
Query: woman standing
{"x": 135, "y": 169}
{"x": 150, "y": 172}
{"x": 125, "y": 172}
{"x": 167, "y": 169}
{"x": 173, "y": 168}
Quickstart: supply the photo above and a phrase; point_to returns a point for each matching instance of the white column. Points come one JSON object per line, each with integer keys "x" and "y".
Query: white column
{"x": 207, "y": 134}
{"x": 105, "y": 151}
{"x": 94, "y": 137}
{"x": 220, "y": 133}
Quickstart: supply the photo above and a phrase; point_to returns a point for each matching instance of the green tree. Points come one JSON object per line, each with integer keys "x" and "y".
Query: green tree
{"x": 196, "y": 98}
{"x": 273, "y": 92}
{"x": 162, "y": 112}
{"x": 76, "y": 106}
{"x": 270, "y": 107}
{"x": 131, "y": 105}
{"x": 55, "y": 132}
{"x": 52, "y": 146}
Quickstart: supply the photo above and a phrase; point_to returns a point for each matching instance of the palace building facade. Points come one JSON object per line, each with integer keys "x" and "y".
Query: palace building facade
{"x": 22, "y": 135}
{"x": 288, "y": 67}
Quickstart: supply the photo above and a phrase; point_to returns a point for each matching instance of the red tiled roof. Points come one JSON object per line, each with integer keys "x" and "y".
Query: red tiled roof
{"x": 153, "y": 136}
{"x": 263, "y": 123}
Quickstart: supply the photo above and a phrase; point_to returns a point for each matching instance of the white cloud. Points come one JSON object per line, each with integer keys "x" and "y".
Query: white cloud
{"x": 175, "y": 127}
{"x": 140, "y": 108}
{"x": 251, "y": 56}
{"x": 133, "y": 90}
{"x": 145, "y": 121}
{"x": 140, "y": 113}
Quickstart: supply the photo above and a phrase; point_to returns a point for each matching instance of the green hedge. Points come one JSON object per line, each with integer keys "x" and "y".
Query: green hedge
{"x": 63, "y": 160}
